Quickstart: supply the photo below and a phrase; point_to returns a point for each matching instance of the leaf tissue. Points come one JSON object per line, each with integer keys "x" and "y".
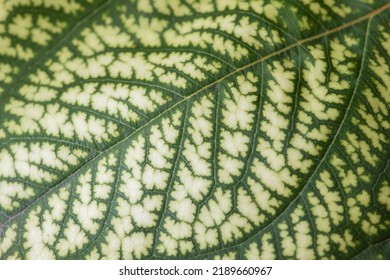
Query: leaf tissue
{"x": 194, "y": 129}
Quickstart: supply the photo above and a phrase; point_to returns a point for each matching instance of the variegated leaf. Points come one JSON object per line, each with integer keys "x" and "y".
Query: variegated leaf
{"x": 255, "y": 129}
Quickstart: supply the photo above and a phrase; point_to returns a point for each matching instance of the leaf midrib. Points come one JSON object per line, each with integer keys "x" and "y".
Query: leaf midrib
{"x": 185, "y": 99}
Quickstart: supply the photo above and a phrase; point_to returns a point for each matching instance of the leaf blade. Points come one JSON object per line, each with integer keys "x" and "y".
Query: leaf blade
{"x": 245, "y": 74}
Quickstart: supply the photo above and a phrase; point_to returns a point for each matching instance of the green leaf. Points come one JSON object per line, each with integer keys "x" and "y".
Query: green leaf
{"x": 194, "y": 129}
{"x": 380, "y": 251}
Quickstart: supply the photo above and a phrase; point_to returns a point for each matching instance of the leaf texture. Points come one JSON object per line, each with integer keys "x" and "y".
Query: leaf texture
{"x": 194, "y": 129}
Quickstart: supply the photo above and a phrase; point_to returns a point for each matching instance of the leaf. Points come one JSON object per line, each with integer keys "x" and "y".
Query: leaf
{"x": 194, "y": 129}
{"x": 374, "y": 252}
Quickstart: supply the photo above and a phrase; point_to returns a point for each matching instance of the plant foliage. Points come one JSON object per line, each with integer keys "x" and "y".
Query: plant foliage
{"x": 255, "y": 129}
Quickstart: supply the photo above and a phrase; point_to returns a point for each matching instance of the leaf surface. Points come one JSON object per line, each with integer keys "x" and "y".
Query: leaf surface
{"x": 194, "y": 129}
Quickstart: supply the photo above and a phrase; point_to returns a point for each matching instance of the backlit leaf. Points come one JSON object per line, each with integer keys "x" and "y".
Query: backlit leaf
{"x": 255, "y": 129}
